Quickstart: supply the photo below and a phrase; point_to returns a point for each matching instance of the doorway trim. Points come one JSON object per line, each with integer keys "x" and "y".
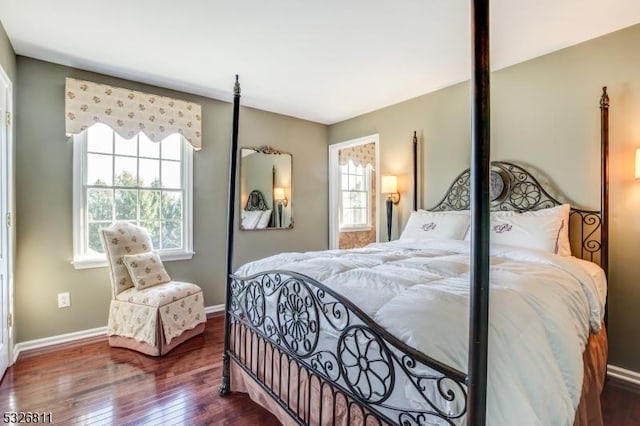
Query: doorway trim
{"x": 7, "y": 214}
{"x": 334, "y": 177}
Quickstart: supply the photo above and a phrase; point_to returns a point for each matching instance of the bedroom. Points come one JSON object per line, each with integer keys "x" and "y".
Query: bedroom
{"x": 561, "y": 90}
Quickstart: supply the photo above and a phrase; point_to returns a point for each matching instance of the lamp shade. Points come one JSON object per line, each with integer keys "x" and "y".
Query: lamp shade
{"x": 638, "y": 163}
{"x": 278, "y": 194}
{"x": 389, "y": 185}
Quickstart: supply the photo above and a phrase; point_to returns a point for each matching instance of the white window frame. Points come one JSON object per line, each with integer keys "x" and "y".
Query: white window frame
{"x": 334, "y": 185}
{"x": 366, "y": 226}
{"x": 83, "y": 260}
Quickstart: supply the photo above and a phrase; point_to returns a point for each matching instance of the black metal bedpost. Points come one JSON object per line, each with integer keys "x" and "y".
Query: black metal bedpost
{"x": 415, "y": 171}
{"x": 480, "y": 211}
{"x": 604, "y": 170}
{"x": 231, "y": 207}
{"x": 604, "y": 195}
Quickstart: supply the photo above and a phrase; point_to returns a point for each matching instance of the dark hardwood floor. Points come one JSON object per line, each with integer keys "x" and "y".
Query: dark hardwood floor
{"x": 94, "y": 384}
{"x": 620, "y": 405}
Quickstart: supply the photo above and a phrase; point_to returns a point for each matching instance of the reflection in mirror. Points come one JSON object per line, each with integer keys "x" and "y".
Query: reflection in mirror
{"x": 265, "y": 189}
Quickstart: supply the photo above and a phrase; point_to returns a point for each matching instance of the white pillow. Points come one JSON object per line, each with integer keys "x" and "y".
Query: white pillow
{"x": 438, "y": 225}
{"x": 263, "y": 222}
{"x": 146, "y": 269}
{"x": 249, "y": 219}
{"x": 540, "y": 232}
{"x": 561, "y": 213}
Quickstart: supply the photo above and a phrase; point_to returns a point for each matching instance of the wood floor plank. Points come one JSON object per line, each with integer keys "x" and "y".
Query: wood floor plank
{"x": 94, "y": 384}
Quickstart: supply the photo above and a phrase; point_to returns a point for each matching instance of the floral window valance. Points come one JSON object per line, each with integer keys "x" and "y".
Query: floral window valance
{"x": 129, "y": 112}
{"x": 361, "y": 155}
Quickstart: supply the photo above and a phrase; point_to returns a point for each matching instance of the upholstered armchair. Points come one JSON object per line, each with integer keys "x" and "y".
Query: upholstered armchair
{"x": 149, "y": 312}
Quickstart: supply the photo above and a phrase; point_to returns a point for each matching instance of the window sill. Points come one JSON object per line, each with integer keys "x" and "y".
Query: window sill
{"x": 356, "y": 229}
{"x": 89, "y": 262}
{"x": 101, "y": 262}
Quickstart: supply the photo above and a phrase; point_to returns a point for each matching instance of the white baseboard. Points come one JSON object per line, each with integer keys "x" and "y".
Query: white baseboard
{"x": 622, "y": 374}
{"x": 78, "y": 335}
{"x": 214, "y": 309}
{"x": 56, "y": 340}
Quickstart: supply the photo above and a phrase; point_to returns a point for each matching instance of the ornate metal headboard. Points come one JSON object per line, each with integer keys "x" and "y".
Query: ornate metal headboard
{"x": 514, "y": 188}
{"x": 256, "y": 201}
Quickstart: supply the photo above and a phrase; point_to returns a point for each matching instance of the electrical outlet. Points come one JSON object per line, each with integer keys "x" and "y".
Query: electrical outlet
{"x": 64, "y": 300}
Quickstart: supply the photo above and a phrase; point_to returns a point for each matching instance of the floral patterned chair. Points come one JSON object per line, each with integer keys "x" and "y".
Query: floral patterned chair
{"x": 149, "y": 312}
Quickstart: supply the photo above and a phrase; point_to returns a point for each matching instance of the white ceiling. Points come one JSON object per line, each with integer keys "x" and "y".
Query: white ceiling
{"x": 324, "y": 61}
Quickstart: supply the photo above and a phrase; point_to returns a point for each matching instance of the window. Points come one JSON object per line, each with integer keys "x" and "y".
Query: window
{"x": 134, "y": 180}
{"x": 355, "y": 188}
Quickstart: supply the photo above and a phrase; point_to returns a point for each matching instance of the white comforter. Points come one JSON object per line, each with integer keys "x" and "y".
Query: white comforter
{"x": 541, "y": 311}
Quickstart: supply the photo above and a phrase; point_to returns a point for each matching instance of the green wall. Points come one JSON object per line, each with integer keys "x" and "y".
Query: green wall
{"x": 44, "y": 200}
{"x": 545, "y": 114}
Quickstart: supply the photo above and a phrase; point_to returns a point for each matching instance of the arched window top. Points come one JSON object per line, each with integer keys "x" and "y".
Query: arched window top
{"x": 129, "y": 112}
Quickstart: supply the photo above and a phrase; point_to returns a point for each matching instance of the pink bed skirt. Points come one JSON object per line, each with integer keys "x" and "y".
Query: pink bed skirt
{"x": 589, "y": 411}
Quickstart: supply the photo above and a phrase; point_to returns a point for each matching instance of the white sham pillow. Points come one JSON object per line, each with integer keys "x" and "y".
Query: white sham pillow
{"x": 263, "y": 222}
{"x": 529, "y": 231}
{"x": 250, "y": 219}
{"x": 446, "y": 225}
{"x": 561, "y": 213}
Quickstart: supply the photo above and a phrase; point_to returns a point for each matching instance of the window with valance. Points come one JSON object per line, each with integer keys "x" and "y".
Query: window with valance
{"x": 132, "y": 162}
{"x": 356, "y": 167}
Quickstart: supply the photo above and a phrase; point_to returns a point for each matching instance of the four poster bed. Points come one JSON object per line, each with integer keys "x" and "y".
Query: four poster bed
{"x": 377, "y": 335}
{"x": 302, "y": 349}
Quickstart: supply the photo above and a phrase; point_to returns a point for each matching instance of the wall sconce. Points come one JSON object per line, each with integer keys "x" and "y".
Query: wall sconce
{"x": 638, "y": 163}
{"x": 389, "y": 186}
{"x": 280, "y": 197}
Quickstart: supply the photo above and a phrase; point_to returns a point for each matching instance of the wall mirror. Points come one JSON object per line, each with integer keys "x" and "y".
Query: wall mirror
{"x": 265, "y": 189}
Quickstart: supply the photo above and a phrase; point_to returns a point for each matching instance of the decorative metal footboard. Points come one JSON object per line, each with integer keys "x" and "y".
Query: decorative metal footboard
{"x": 325, "y": 337}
